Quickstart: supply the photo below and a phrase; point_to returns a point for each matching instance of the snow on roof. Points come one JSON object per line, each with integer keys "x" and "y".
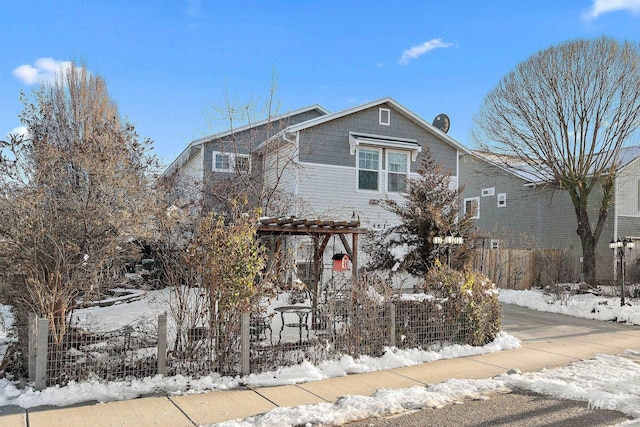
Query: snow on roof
{"x": 536, "y": 173}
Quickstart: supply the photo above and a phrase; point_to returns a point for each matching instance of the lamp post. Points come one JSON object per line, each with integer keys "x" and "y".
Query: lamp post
{"x": 619, "y": 247}
{"x": 449, "y": 241}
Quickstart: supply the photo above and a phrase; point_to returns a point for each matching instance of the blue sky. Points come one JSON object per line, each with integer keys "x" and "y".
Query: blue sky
{"x": 171, "y": 65}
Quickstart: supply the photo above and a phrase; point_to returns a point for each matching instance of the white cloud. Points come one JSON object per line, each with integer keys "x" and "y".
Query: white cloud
{"x": 193, "y": 7}
{"x": 418, "y": 51}
{"x": 600, "y": 7}
{"x": 43, "y": 70}
{"x": 19, "y": 131}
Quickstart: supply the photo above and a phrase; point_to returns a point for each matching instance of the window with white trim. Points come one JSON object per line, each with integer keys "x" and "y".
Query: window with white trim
{"x": 502, "y": 200}
{"x": 397, "y": 170}
{"x": 222, "y": 162}
{"x": 495, "y": 244}
{"x": 472, "y": 204}
{"x": 488, "y": 191}
{"x": 384, "y": 116}
{"x": 242, "y": 163}
{"x": 369, "y": 169}
{"x": 227, "y": 162}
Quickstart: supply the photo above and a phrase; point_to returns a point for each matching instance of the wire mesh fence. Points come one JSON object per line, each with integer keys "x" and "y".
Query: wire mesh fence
{"x": 285, "y": 336}
{"x": 129, "y": 349}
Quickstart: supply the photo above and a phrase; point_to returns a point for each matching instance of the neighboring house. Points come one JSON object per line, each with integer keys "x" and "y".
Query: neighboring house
{"x": 516, "y": 210}
{"x": 325, "y": 166}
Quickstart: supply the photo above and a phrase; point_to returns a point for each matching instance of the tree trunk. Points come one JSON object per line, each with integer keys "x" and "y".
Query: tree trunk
{"x": 588, "y": 259}
{"x": 588, "y": 241}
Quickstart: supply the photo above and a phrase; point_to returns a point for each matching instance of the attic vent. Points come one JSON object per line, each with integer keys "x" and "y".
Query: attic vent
{"x": 385, "y": 116}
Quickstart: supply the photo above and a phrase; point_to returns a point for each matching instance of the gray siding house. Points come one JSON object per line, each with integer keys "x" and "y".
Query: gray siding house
{"x": 516, "y": 211}
{"x": 344, "y": 160}
{"x": 327, "y": 166}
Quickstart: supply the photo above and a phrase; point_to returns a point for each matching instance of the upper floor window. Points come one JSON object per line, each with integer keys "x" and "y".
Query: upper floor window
{"x": 385, "y": 116}
{"x": 222, "y": 162}
{"x": 397, "y": 170}
{"x": 502, "y": 200}
{"x": 488, "y": 191}
{"x": 472, "y": 204}
{"x": 242, "y": 163}
{"x": 368, "y": 169}
{"x": 226, "y": 162}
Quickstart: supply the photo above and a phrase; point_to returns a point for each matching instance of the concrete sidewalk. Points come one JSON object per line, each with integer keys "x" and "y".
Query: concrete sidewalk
{"x": 220, "y": 406}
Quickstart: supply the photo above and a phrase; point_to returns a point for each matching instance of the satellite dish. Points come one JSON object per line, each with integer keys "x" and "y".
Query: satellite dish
{"x": 442, "y": 122}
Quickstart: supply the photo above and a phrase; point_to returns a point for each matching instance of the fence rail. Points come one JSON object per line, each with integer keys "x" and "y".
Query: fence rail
{"x": 522, "y": 268}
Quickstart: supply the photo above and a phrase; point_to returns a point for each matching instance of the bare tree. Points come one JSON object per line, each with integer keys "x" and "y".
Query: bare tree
{"x": 73, "y": 191}
{"x": 564, "y": 116}
{"x": 260, "y": 156}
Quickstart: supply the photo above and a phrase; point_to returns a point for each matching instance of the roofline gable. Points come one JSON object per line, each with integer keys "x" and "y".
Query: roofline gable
{"x": 387, "y": 100}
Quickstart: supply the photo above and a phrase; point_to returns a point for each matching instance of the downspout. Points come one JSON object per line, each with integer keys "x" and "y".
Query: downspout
{"x": 296, "y": 166}
{"x": 615, "y": 224}
{"x": 204, "y": 174}
{"x": 457, "y": 169}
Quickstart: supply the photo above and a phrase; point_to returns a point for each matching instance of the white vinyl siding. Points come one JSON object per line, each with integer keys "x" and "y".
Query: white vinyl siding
{"x": 328, "y": 192}
{"x": 189, "y": 178}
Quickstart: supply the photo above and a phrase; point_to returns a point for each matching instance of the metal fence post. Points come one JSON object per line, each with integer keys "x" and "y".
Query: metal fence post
{"x": 162, "y": 344}
{"x": 245, "y": 343}
{"x": 32, "y": 336}
{"x": 42, "y": 347}
{"x": 392, "y": 324}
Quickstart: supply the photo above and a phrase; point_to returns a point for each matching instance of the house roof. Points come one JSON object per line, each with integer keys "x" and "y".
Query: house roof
{"x": 408, "y": 113}
{"x": 192, "y": 149}
{"x": 536, "y": 173}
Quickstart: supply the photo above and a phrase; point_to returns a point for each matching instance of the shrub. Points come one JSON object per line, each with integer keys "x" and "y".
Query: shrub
{"x": 473, "y": 302}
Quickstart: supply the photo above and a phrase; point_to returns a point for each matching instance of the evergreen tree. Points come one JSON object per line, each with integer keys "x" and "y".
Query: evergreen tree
{"x": 430, "y": 208}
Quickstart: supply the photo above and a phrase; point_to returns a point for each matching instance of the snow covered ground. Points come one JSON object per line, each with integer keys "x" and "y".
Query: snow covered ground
{"x": 586, "y": 305}
{"x": 608, "y": 382}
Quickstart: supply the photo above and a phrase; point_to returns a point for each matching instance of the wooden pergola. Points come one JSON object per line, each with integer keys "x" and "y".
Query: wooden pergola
{"x": 320, "y": 232}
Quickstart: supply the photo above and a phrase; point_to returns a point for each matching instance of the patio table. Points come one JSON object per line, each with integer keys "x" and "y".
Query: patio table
{"x": 301, "y": 311}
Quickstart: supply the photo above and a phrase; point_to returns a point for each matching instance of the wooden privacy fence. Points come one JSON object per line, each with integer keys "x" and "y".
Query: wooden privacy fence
{"x": 523, "y": 268}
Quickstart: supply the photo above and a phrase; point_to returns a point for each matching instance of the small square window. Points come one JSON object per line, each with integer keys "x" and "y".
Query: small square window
{"x": 488, "y": 192}
{"x": 502, "y": 200}
{"x": 385, "y": 116}
{"x": 495, "y": 244}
